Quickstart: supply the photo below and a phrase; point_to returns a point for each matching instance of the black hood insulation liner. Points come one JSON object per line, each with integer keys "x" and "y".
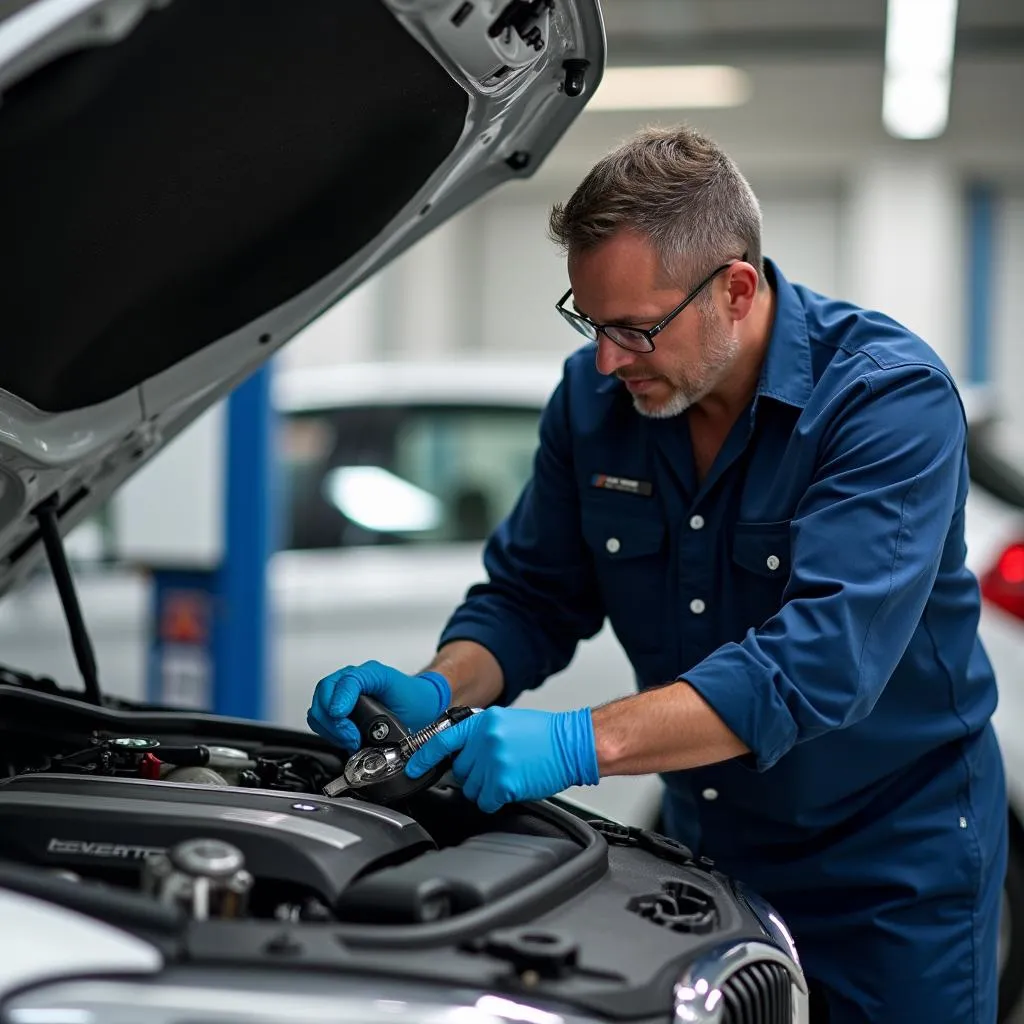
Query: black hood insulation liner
{"x": 172, "y": 187}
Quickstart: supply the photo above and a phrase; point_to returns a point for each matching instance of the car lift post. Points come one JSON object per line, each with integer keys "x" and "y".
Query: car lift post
{"x": 242, "y": 646}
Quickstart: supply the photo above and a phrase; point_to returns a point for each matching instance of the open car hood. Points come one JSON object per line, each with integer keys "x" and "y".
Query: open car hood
{"x": 185, "y": 184}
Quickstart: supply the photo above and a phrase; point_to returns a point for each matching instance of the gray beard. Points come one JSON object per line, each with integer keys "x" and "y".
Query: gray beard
{"x": 675, "y": 406}
{"x": 723, "y": 353}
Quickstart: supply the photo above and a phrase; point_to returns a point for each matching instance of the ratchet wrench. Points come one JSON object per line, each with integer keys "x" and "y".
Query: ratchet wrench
{"x": 377, "y": 770}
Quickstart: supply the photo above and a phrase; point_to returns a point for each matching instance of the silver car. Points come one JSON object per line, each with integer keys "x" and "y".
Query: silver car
{"x": 183, "y": 186}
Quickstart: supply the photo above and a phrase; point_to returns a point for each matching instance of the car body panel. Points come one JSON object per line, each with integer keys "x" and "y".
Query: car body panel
{"x": 80, "y": 454}
{"x": 188, "y": 996}
{"x": 55, "y": 942}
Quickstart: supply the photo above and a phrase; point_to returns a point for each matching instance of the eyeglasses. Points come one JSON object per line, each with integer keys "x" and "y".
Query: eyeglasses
{"x": 634, "y": 339}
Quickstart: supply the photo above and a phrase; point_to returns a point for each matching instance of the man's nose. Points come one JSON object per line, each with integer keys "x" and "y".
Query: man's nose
{"x": 611, "y": 357}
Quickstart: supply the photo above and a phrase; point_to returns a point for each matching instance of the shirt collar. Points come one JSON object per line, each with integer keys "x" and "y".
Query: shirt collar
{"x": 786, "y": 374}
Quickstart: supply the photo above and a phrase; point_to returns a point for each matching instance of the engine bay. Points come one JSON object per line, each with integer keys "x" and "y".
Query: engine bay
{"x": 239, "y": 827}
{"x": 211, "y": 840}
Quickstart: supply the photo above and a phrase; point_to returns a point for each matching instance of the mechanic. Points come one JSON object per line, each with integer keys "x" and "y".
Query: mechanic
{"x": 762, "y": 489}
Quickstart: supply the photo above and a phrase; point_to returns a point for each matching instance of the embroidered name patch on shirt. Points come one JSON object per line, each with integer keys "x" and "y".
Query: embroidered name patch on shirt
{"x": 621, "y": 483}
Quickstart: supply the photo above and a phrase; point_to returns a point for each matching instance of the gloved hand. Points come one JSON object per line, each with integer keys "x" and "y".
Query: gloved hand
{"x": 507, "y": 754}
{"x": 415, "y": 700}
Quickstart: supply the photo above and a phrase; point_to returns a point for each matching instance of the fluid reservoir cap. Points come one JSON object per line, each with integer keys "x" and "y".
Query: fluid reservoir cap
{"x": 135, "y": 742}
{"x": 207, "y": 858}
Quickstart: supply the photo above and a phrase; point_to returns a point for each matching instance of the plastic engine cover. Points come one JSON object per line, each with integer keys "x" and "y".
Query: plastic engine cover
{"x": 109, "y": 824}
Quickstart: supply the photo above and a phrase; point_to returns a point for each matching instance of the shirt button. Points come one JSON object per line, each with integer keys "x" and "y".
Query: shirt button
{"x": 612, "y": 545}
{"x": 696, "y": 522}
{"x": 697, "y": 606}
{"x": 773, "y": 562}
{"x": 710, "y": 794}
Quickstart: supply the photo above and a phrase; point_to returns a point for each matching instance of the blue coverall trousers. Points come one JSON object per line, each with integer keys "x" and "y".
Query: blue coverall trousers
{"x": 896, "y": 919}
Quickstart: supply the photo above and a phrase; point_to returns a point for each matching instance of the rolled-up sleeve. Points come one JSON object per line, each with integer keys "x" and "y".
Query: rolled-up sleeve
{"x": 540, "y": 598}
{"x": 867, "y": 540}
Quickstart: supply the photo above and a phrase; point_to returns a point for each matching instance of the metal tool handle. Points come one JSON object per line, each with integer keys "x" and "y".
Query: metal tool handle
{"x": 396, "y": 785}
{"x": 377, "y": 726}
{"x": 451, "y": 717}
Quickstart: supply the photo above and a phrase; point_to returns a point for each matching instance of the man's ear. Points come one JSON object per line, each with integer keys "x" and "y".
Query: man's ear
{"x": 740, "y": 284}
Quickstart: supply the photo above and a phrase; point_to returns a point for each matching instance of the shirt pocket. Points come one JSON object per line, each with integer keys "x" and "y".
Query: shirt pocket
{"x": 630, "y": 565}
{"x": 762, "y": 558}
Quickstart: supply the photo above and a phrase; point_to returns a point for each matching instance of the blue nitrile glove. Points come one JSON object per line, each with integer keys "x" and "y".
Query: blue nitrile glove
{"x": 507, "y": 754}
{"x": 415, "y": 701}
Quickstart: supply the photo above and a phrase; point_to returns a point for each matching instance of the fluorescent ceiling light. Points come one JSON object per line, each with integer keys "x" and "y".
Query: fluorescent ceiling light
{"x": 673, "y": 87}
{"x": 919, "y": 42}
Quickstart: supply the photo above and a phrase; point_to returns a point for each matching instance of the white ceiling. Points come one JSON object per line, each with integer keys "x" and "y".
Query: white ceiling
{"x": 816, "y": 73}
{"x": 789, "y": 26}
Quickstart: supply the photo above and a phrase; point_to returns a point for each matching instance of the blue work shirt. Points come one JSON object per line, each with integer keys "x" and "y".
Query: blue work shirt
{"x": 812, "y": 588}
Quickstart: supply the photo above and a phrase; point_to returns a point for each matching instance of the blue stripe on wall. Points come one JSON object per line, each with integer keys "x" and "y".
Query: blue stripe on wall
{"x": 980, "y": 241}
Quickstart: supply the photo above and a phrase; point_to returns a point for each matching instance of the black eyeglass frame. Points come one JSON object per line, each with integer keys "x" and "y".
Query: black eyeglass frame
{"x": 648, "y": 333}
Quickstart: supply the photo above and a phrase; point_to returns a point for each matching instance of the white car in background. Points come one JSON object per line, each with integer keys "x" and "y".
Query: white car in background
{"x": 392, "y": 474}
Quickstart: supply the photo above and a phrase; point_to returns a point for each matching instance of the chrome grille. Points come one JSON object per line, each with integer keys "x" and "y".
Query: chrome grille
{"x": 759, "y": 993}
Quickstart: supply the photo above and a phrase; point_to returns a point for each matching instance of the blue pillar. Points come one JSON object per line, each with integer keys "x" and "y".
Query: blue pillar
{"x": 242, "y": 645}
{"x": 980, "y": 242}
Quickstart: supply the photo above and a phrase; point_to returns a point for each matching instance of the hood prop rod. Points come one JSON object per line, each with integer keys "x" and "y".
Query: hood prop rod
{"x": 46, "y": 514}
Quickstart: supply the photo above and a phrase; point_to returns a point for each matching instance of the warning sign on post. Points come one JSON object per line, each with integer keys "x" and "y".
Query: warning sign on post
{"x": 181, "y": 656}
{"x": 185, "y": 617}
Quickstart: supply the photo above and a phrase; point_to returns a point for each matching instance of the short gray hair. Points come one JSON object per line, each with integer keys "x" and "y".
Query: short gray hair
{"x": 673, "y": 186}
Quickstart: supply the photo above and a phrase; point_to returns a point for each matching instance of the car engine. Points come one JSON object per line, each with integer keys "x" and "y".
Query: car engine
{"x": 244, "y": 831}
{"x": 211, "y": 838}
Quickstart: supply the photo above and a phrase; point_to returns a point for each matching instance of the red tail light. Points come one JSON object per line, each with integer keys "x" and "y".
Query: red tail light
{"x": 1003, "y": 584}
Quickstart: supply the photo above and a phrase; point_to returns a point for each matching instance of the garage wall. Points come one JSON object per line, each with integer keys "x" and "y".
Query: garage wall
{"x": 488, "y": 281}
{"x": 524, "y": 275}
{"x": 888, "y": 235}
{"x": 801, "y": 234}
{"x": 1007, "y": 344}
